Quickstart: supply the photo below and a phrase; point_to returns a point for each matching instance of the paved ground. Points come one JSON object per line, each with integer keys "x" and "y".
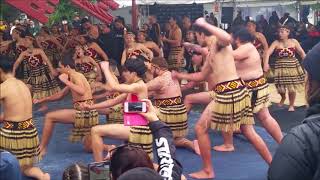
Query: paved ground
{"x": 243, "y": 164}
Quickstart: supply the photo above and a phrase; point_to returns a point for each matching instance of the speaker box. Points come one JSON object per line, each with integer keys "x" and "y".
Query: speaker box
{"x": 227, "y": 15}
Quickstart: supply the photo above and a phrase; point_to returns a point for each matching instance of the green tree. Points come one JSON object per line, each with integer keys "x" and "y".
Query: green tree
{"x": 64, "y": 9}
{"x": 8, "y": 12}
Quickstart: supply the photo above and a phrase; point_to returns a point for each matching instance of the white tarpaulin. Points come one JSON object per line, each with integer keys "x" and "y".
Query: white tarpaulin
{"x": 242, "y": 3}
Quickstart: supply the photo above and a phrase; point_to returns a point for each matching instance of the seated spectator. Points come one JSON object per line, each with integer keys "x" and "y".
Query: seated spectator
{"x": 298, "y": 156}
{"x": 130, "y": 163}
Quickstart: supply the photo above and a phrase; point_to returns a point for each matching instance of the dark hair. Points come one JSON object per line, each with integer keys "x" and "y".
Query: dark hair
{"x": 285, "y": 27}
{"x": 173, "y": 17}
{"x": 67, "y": 60}
{"x": 45, "y": 29}
{"x": 34, "y": 42}
{"x": 119, "y": 19}
{"x": 76, "y": 171}
{"x": 244, "y": 35}
{"x": 126, "y": 158}
{"x": 6, "y": 63}
{"x": 88, "y": 38}
{"x": 288, "y": 28}
{"x": 201, "y": 30}
{"x": 160, "y": 62}
{"x": 136, "y": 65}
{"x": 20, "y": 31}
{"x": 84, "y": 20}
{"x": 252, "y": 22}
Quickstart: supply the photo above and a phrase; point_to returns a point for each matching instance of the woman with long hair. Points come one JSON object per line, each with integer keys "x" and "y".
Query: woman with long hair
{"x": 55, "y": 31}
{"x": 288, "y": 74}
{"x": 41, "y": 74}
{"x": 50, "y": 45}
{"x": 87, "y": 66}
{"x": 14, "y": 48}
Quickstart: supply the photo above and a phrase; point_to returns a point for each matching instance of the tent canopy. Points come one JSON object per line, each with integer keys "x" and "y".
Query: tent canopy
{"x": 261, "y": 2}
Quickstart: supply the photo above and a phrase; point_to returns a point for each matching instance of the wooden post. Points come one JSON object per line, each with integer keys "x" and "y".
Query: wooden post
{"x": 134, "y": 11}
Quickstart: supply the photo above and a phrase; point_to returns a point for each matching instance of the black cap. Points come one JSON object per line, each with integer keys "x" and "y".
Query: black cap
{"x": 141, "y": 173}
{"x": 312, "y": 63}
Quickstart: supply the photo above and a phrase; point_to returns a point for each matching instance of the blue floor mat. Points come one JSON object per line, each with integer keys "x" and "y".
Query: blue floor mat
{"x": 243, "y": 164}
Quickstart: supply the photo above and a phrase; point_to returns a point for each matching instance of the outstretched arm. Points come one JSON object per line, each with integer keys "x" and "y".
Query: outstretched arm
{"x": 54, "y": 97}
{"x": 109, "y": 103}
{"x": 199, "y": 76}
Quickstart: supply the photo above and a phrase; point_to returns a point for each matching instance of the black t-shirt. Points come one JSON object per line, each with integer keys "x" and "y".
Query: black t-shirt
{"x": 117, "y": 45}
{"x": 105, "y": 41}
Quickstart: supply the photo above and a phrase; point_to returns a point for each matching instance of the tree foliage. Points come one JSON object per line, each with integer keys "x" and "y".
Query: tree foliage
{"x": 8, "y": 12}
{"x": 64, "y": 9}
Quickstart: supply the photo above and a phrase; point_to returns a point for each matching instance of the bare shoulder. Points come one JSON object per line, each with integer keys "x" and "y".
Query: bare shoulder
{"x": 294, "y": 41}
{"x": 275, "y": 43}
{"x": 38, "y": 50}
{"x": 259, "y": 35}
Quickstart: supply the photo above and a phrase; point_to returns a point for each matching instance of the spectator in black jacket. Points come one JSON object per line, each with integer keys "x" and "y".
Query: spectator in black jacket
{"x": 130, "y": 163}
{"x": 274, "y": 19}
{"x": 298, "y": 156}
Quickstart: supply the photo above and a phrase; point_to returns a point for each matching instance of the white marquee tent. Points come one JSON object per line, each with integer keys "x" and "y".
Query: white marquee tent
{"x": 238, "y": 2}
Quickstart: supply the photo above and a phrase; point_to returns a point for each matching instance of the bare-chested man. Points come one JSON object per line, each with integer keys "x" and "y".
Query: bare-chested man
{"x": 248, "y": 64}
{"x": 168, "y": 100}
{"x": 18, "y": 132}
{"x": 231, "y": 108}
{"x": 134, "y": 72}
{"x": 82, "y": 120}
{"x": 175, "y": 58}
{"x": 202, "y": 48}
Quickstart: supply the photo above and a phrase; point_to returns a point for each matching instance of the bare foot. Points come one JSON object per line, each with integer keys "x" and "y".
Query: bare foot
{"x": 291, "y": 109}
{"x": 43, "y": 108}
{"x": 281, "y": 102}
{"x": 200, "y": 21}
{"x": 43, "y": 151}
{"x": 196, "y": 147}
{"x": 224, "y": 148}
{"x": 46, "y": 176}
{"x": 202, "y": 175}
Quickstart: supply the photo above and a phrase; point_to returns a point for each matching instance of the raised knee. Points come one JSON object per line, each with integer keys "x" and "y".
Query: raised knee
{"x": 187, "y": 99}
{"x": 94, "y": 131}
{"x": 49, "y": 117}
